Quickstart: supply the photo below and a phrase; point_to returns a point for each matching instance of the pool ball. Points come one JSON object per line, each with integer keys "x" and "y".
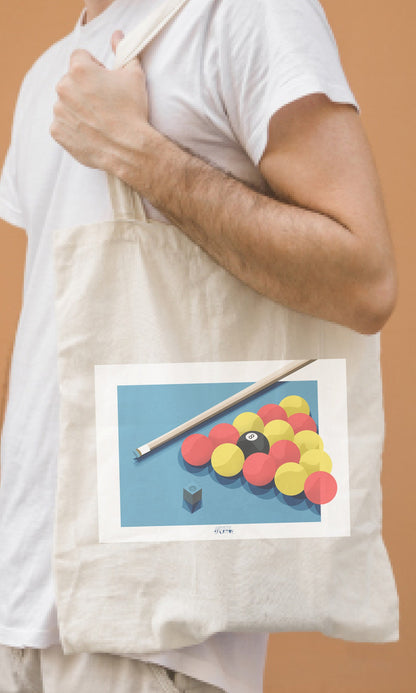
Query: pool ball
{"x": 320, "y": 487}
{"x": 316, "y": 461}
{"x": 253, "y": 441}
{"x": 290, "y": 478}
{"x": 227, "y": 459}
{"x": 302, "y": 422}
{"x": 259, "y": 469}
{"x": 269, "y": 412}
{"x": 278, "y": 430}
{"x": 223, "y": 433}
{"x": 197, "y": 449}
{"x": 294, "y": 405}
{"x": 248, "y": 421}
{"x": 285, "y": 451}
{"x": 308, "y": 440}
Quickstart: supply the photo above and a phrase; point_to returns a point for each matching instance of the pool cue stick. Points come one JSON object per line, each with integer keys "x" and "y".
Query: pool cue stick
{"x": 247, "y": 392}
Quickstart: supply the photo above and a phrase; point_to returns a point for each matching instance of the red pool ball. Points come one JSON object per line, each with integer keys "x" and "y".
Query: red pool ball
{"x": 270, "y": 412}
{"x": 223, "y": 433}
{"x": 302, "y": 422}
{"x": 285, "y": 451}
{"x": 259, "y": 469}
{"x": 197, "y": 449}
{"x": 320, "y": 487}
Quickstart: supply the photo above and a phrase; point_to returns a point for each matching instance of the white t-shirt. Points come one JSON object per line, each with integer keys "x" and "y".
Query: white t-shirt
{"x": 215, "y": 76}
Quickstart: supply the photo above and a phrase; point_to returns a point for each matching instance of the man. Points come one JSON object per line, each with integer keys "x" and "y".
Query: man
{"x": 237, "y": 124}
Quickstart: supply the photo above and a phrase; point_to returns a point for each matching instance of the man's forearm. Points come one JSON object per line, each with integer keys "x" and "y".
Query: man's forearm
{"x": 300, "y": 258}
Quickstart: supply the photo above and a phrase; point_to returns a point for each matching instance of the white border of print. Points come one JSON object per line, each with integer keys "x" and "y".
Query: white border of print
{"x": 332, "y": 407}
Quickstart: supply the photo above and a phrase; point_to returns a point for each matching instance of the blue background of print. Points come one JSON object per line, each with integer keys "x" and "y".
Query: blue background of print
{"x": 151, "y": 488}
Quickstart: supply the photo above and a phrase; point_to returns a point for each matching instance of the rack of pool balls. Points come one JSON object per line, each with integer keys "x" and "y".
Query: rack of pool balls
{"x": 279, "y": 444}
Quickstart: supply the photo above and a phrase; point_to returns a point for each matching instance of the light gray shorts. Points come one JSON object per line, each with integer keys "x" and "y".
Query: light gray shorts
{"x": 28, "y": 670}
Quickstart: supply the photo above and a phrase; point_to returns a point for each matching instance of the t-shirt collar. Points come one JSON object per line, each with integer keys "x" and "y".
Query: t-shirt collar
{"x": 94, "y": 25}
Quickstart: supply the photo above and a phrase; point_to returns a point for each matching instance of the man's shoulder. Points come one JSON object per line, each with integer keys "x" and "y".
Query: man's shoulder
{"x": 49, "y": 60}
{"x": 253, "y": 7}
{"x": 250, "y": 19}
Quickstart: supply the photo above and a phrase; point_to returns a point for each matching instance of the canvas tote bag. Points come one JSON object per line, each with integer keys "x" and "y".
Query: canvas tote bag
{"x": 143, "y": 312}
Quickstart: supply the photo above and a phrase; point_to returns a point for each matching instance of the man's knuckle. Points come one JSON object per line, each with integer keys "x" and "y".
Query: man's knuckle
{"x": 77, "y": 62}
{"x": 77, "y": 55}
{"x": 77, "y": 69}
{"x": 62, "y": 86}
{"x": 58, "y": 109}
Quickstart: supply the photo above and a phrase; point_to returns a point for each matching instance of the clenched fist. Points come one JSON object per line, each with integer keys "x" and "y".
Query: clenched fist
{"x": 99, "y": 112}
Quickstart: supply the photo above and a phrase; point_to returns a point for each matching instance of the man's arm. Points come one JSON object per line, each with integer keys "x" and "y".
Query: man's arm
{"x": 318, "y": 158}
{"x": 323, "y": 250}
{"x": 322, "y": 247}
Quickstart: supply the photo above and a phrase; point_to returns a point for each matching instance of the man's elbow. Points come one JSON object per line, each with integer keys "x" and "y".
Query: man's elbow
{"x": 376, "y": 302}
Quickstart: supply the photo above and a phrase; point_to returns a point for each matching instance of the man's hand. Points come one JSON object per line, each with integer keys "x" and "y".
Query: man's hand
{"x": 99, "y": 111}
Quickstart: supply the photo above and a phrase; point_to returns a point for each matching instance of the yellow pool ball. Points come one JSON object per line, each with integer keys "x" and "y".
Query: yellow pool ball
{"x": 290, "y": 478}
{"x": 295, "y": 405}
{"x": 308, "y": 440}
{"x": 248, "y": 421}
{"x": 278, "y": 430}
{"x": 227, "y": 459}
{"x": 316, "y": 461}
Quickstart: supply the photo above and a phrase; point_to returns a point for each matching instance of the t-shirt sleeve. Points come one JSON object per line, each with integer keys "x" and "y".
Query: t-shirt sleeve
{"x": 10, "y": 203}
{"x": 272, "y": 52}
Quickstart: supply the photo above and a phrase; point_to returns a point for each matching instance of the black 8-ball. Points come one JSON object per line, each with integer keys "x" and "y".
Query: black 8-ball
{"x": 252, "y": 442}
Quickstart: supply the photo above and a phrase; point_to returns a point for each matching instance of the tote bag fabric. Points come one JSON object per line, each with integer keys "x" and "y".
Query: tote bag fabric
{"x": 135, "y": 291}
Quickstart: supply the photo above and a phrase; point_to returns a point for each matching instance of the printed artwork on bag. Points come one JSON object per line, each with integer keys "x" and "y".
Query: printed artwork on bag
{"x": 222, "y": 451}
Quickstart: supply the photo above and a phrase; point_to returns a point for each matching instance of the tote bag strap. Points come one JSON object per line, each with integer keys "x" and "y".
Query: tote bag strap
{"x": 126, "y": 202}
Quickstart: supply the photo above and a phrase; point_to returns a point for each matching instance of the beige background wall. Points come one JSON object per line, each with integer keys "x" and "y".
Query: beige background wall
{"x": 377, "y": 45}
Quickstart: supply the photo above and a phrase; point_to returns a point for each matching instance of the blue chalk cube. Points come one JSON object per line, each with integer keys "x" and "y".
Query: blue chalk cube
{"x": 192, "y": 494}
